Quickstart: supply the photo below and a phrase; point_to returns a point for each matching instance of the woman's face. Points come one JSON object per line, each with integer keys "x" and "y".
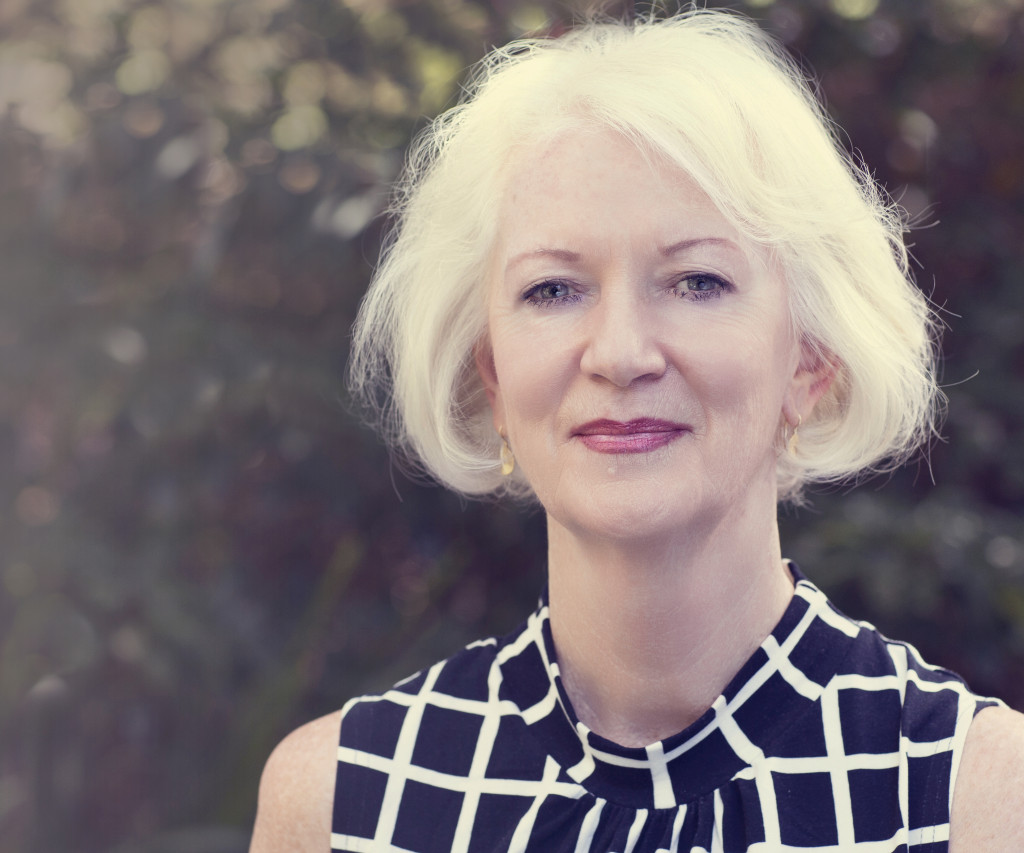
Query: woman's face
{"x": 641, "y": 354}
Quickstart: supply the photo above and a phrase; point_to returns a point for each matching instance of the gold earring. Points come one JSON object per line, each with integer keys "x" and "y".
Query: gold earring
{"x": 508, "y": 460}
{"x": 793, "y": 445}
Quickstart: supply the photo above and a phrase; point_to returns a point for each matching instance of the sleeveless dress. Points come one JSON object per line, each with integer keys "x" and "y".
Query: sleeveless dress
{"x": 830, "y": 738}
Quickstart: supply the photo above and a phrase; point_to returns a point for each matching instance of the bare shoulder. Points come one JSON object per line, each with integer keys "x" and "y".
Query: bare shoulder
{"x": 297, "y": 790}
{"x": 988, "y": 801}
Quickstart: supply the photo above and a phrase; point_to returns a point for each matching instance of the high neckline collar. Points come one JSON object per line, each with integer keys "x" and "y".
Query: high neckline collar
{"x": 780, "y": 681}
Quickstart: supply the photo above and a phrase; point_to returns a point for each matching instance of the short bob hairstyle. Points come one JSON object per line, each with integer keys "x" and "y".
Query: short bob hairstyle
{"x": 709, "y": 92}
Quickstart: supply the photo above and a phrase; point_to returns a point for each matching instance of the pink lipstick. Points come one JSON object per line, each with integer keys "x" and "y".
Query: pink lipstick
{"x": 640, "y": 435}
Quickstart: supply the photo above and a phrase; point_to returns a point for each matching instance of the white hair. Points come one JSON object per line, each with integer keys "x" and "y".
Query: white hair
{"x": 713, "y": 94}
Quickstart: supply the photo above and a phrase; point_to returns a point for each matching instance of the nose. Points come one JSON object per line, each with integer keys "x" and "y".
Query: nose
{"x": 621, "y": 343}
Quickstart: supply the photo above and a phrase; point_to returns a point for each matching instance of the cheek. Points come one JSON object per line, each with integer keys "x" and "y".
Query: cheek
{"x": 533, "y": 375}
{"x": 744, "y": 374}
{"x": 529, "y": 391}
{"x": 526, "y": 387}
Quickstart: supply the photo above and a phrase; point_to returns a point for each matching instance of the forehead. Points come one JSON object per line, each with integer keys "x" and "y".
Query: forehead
{"x": 595, "y": 185}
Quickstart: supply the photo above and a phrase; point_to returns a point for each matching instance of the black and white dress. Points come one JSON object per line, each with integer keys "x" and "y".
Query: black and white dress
{"x": 831, "y": 737}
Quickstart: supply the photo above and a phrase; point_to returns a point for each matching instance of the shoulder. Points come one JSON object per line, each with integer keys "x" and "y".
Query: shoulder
{"x": 297, "y": 790}
{"x": 988, "y": 801}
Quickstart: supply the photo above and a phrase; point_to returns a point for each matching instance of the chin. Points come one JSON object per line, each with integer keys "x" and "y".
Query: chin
{"x": 641, "y": 512}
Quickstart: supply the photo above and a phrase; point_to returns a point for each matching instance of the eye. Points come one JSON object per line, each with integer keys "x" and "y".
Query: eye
{"x": 551, "y": 292}
{"x": 700, "y": 286}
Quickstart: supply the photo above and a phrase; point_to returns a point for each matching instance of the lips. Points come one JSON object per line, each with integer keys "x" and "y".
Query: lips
{"x": 640, "y": 435}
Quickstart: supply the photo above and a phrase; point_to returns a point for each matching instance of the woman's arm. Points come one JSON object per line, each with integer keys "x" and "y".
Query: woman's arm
{"x": 297, "y": 791}
{"x": 988, "y": 801}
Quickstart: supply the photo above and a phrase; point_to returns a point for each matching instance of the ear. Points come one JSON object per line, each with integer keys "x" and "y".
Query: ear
{"x": 483, "y": 355}
{"x": 814, "y": 375}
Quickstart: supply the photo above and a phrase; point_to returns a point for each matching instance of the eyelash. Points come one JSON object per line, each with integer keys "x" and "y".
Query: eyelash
{"x": 721, "y": 286}
{"x": 533, "y": 296}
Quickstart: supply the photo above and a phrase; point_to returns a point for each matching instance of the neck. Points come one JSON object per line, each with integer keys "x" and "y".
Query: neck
{"x": 648, "y": 633}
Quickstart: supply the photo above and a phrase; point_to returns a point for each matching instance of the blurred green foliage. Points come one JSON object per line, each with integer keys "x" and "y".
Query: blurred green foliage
{"x": 202, "y": 547}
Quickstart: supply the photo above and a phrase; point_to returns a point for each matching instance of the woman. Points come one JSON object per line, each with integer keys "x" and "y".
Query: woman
{"x": 634, "y": 278}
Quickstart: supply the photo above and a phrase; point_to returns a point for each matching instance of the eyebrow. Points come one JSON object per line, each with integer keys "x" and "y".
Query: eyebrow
{"x": 560, "y": 254}
{"x": 666, "y": 251}
{"x": 693, "y": 242}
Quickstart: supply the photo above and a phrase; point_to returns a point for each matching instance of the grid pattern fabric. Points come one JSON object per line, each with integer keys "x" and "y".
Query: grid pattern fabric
{"x": 830, "y": 738}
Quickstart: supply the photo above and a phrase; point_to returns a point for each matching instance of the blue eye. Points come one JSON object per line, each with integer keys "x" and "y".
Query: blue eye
{"x": 700, "y": 286}
{"x": 553, "y": 292}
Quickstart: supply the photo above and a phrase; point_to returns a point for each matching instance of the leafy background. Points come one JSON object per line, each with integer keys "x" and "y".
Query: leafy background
{"x": 200, "y": 545}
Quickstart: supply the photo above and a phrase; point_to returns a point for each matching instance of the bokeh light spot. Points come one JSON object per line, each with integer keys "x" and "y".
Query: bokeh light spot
{"x": 855, "y": 10}
{"x": 127, "y": 644}
{"x": 144, "y": 71}
{"x": 530, "y": 18}
{"x": 125, "y": 345}
{"x": 299, "y": 127}
{"x": 305, "y": 83}
{"x": 439, "y": 69}
{"x": 177, "y": 157}
{"x": 143, "y": 119}
{"x": 149, "y": 28}
{"x": 1001, "y": 552}
{"x": 299, "y": 176}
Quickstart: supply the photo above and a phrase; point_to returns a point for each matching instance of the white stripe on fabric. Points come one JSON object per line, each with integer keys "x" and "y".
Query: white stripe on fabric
{"x": 836, "y": 767}
{"x": 524, "y": 829}
{"x": 717, "y": 841}
{"x": 478, "y": 768}
{"x": 664, "y": 796}
{"x": 449, "y": 782}
{"x": 589, "y": 828}
{"x": 677, "y": 827}
{"x": 635, "y": 829}
{"x": 402, "y": 762}
{"x": 754, "y": 757}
